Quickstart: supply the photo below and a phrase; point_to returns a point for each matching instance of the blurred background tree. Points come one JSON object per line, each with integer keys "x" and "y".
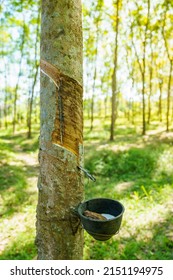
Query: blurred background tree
{"x": 127, "y": 63}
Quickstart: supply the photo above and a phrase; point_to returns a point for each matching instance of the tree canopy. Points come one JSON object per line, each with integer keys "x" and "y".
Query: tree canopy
{"x": 143, "y": 60}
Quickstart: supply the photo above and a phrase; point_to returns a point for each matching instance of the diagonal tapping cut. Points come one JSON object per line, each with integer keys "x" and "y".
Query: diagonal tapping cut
{"x": 68, "y": 124}
{"x": 51, "y": 71}
{"x": 61, "y": 112}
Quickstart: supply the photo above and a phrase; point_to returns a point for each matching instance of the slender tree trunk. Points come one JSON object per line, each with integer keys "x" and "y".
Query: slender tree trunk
{"x": 5, "y": 98}
{"x": 150, "y": 81}
{"x": 169, "y": 96}
{"x": 149, "y": 108}
{"x": 94, "y": 78}
{"x": 170, "y": 58}
{"x": 36, "y": 111}
{"x": 133, "y": 112}
{"x": 36, "y": 67}
{"x": 97, "y": 19}
{"x": 6, "y": 68}
{"x": 18, "y": 80}
{"x": 30, "y": 105}
{"x": 144, "y": 70}
{"x": 142, "y": 67}
{"x": 60, "y": 183}
{"x": 160, "y": 100}
{"x": 143, "y": 105}
{"x": 87, "y": 103}
{"x": 114, "y": 77}
{"x": 131, "y": 76}
{"x": 105, "y": 106}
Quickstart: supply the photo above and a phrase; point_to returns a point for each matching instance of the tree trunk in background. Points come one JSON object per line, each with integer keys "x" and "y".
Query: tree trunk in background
{"x": 18, "y": 78}
{"x": 169, "y": 96}
{"x": 144, "y": 70}
{"x": 35, "y": 71}
{"x": 30, "y": 102}
{"x": 5, "y": 98}
{"x": 60, "y": 183}
{"x": 142, "y": 65}
{"x": 105, "y": 106}
{"x": 160, "y": 99}
{"x": 94, "y": 78}
{"x": 170, "y": 58}
{"x": 114, "y": 77}
{"x": 150, "y": 81}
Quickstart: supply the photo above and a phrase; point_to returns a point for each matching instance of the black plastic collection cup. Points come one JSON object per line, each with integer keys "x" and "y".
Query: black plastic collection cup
{"x": 101, "y": 230}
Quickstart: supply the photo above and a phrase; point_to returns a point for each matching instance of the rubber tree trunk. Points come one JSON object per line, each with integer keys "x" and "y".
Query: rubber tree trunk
{"x": 60, "y": 183}
{"x": 22, "y": 48}
{"x": 35, "y": 74}
{"x": 114, "y": 77}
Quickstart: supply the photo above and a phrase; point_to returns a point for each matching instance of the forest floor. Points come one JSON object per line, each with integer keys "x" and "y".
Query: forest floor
{"x": 133, "y": 169}
{"x": 18, "y": 195}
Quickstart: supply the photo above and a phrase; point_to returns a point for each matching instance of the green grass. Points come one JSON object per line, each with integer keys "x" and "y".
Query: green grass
{"x": 133, "y": 169}
{"x": 137, "y": 171}
{"x": 18, "y": 195}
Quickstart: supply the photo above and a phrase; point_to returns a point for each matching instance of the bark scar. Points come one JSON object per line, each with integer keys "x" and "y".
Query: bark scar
{"x": 68, "y": 124}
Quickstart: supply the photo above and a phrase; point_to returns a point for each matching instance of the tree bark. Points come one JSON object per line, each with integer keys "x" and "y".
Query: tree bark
{"x": 114, "y": 77}
{"x": 150, "y": 81}
{"x": 169, "y": 96}
{"x": 5, "y": 98}
{"x": 30, "y": 105}
{"x": 35, "y": 71}
{"x": 97, "y": 19}
{"x": 60, "y": 183}
{"x": 170, "y": 58}
{"x": 142, "y": 65}
{"x": 18, "y": 78}
{"x": 160, "y": 99}
{"x": 94, "y": 77}
{"x": 144, "y": 70}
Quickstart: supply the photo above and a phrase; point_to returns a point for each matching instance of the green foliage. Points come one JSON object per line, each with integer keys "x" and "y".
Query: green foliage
{"x": 20, "y": 34}
{"x": 22, "y": 248}
{"x": 138, "y": 173}
{"x": 18, "y": 195}
{"x": 127, "y": 164}
{"x": 135, "y": 171}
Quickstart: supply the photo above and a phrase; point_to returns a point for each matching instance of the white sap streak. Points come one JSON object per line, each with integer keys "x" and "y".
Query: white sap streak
{"x": 108, "y": 216}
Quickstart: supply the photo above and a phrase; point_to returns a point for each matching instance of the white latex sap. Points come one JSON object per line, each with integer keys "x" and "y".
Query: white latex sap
{"x": 108, "y": 216}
